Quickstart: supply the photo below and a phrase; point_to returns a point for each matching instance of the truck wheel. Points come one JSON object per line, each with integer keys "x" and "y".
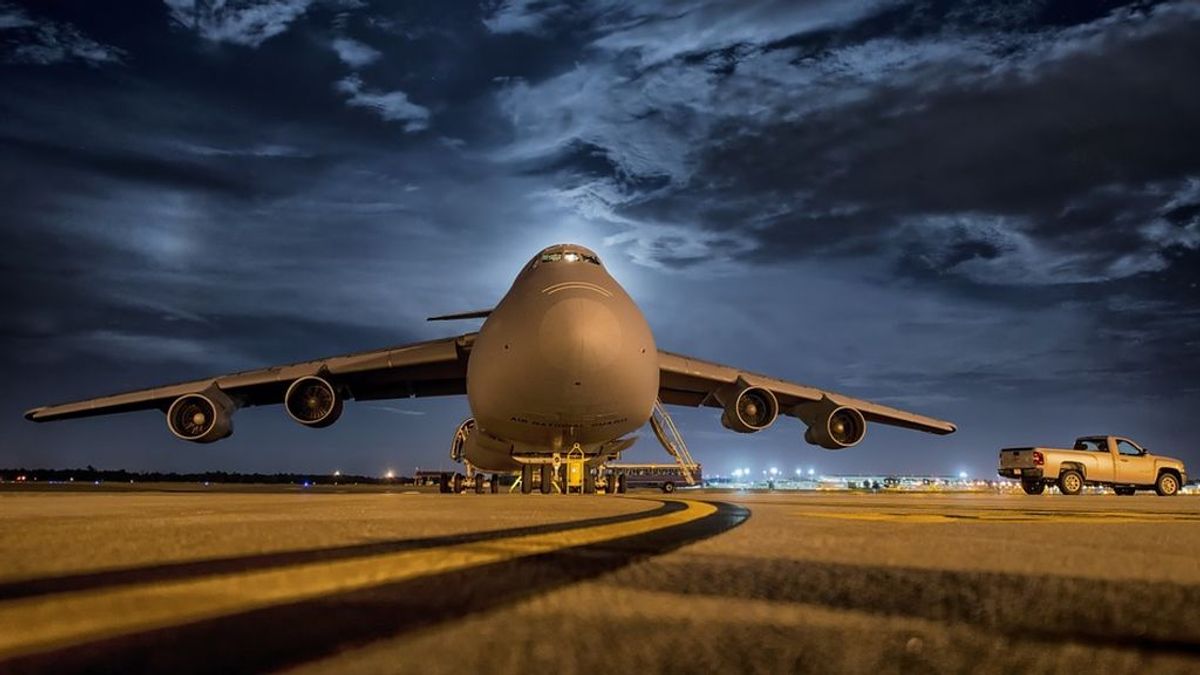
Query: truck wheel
{"x": 1167, "y": 485}
{"x": 1123, "y": 491}
{"x": 1070, "y": 482}
{"x": 1033, "y": 487}
{"x": 668, "y": 487}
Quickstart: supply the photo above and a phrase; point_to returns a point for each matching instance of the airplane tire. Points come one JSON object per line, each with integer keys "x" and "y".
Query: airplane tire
{"x": 444, "y": 484}
{"x": 479, "y": 484}
{"x": 526, "y": 479}
{"x": 457, "y": 483}
{"x": 1033, "y": 487}
{"x": 1070, "y": 482}
{"x": 1123, "y": 491}
{"x": 495, "y": 483}
{"x": 620, "y": 483}
{"x": 1167, "y": 485}
{"x": 547, "y": 479}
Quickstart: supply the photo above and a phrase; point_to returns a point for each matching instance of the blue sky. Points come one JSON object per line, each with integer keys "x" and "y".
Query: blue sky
{"x": 989, "y": 212}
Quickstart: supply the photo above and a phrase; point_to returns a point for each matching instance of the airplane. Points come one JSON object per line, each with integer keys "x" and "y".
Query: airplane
{"x": 565, "y": 362}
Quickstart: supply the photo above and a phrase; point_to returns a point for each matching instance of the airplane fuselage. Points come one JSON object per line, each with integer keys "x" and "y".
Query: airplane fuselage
{"x": 565, "y": 358}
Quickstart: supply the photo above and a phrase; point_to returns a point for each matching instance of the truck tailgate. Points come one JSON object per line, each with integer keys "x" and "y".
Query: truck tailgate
{"x": 1016, "y": 458}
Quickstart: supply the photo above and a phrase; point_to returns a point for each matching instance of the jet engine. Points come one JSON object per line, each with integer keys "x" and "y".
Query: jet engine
{"x": 749, "y": 409}
{"x": 201, "y": 418}
{"x": 830, "y": 425}
{"x": 313, "y": 402}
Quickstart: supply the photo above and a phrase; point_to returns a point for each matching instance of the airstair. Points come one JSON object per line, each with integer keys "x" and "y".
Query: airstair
{"x": 668, "y": 435}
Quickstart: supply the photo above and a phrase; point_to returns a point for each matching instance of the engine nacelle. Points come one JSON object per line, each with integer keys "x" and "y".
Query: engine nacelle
{"x": 748, "y": 409}
{"x": 202, "y": 417}
{"x": 830, "y": 425}
{"x": 313, "y": 402}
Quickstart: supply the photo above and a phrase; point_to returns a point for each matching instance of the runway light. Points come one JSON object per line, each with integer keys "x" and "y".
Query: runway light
{"x": 811, "y": 471}
{"x": 390, "y": 474}
{"x": 337, "y": 472}
{"x": 962, "y": 475}
{"x": 799, "y": 471}
{"x": 774, "y": 471}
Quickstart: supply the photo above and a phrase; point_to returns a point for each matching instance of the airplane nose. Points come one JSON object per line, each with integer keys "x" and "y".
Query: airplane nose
{"x": 580, "y": 336}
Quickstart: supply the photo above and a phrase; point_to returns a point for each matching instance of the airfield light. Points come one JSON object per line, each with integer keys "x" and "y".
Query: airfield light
{"x": 390, "y": 474}
{"x": 337, "y": 472}
{"x": 798, "y": 471}
{"x": 774, "y": 471}
{"x": 962, "y": 475}
{"x": 811, "y": 471}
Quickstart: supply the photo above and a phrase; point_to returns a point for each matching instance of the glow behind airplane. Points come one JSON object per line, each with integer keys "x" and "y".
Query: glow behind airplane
{"x": 565, "y": 361}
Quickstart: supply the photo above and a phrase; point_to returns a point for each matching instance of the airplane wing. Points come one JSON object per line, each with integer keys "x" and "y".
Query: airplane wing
{"x": 433, "y": 368}
{"x": 684, "y": 380}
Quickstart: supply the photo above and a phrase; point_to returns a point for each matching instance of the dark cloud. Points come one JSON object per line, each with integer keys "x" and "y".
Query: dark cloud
{"x": 988, "y": 211}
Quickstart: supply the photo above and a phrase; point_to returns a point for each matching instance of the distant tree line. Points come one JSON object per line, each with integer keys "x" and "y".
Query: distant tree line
{"x": 92, "y": 474}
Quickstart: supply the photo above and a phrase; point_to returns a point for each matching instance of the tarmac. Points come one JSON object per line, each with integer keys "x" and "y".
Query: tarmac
{"x": 356, "y": 581}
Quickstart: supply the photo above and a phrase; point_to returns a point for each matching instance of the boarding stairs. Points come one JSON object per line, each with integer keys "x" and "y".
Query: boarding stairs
{"x": 672, "y": 441}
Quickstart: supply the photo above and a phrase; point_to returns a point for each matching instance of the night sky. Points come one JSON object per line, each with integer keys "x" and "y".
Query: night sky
{"x": 986, "y": 212}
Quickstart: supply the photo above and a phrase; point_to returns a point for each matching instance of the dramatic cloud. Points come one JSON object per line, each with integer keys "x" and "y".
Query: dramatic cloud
{"x": 24, "y": 40}
{"x": 354, "y": 53}
{"x": 392, "y": 106}
{"x": 989, "y": 211}
{"x": 240, "y": 22}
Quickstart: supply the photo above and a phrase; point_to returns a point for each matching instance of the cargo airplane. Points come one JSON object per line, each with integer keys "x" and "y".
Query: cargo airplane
{"x": 564, "y": 363}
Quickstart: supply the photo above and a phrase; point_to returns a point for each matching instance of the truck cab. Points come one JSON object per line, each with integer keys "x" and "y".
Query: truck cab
{"x": 1113, "y": 461}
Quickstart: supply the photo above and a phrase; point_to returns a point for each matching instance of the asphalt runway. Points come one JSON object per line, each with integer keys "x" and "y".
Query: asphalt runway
{"x": 352, "y": 581}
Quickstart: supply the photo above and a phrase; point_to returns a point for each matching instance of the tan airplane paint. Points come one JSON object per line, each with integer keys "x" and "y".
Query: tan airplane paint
{"x": 565, "y": 358}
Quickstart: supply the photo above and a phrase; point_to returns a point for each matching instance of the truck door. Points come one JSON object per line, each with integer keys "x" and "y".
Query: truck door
{"x": 1134, "y": 466}
{"x": 1100, "y": 466}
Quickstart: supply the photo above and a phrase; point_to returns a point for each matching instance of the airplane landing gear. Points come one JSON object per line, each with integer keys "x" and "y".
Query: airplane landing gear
{"x": 526, "y": 479}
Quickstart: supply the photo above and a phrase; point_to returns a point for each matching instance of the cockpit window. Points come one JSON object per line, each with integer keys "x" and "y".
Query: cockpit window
{"x": 566, "y": 256}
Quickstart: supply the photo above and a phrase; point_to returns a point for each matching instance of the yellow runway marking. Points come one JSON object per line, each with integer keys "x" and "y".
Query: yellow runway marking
{"x": 37, "y": 624}
{"x": 1097, "y": 517}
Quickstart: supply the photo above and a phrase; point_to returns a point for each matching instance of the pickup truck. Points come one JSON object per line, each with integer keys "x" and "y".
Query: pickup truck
{"x": 1094, "y": 460}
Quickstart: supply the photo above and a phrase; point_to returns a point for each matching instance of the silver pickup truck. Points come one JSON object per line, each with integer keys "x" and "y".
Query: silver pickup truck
{"x": 1094, "y": 460}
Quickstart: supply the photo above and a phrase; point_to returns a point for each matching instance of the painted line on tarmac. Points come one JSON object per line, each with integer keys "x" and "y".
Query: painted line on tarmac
{"x": 190, "y": 569}
{"x": 99, "y": 626}
{"x": 1097, "y": 517}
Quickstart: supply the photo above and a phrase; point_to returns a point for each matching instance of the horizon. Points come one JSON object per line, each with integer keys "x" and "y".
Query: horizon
{"x": 986, "y": 213}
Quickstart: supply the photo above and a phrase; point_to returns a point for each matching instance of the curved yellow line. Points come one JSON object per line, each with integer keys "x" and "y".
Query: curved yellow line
{"x": 48, "y": 622}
